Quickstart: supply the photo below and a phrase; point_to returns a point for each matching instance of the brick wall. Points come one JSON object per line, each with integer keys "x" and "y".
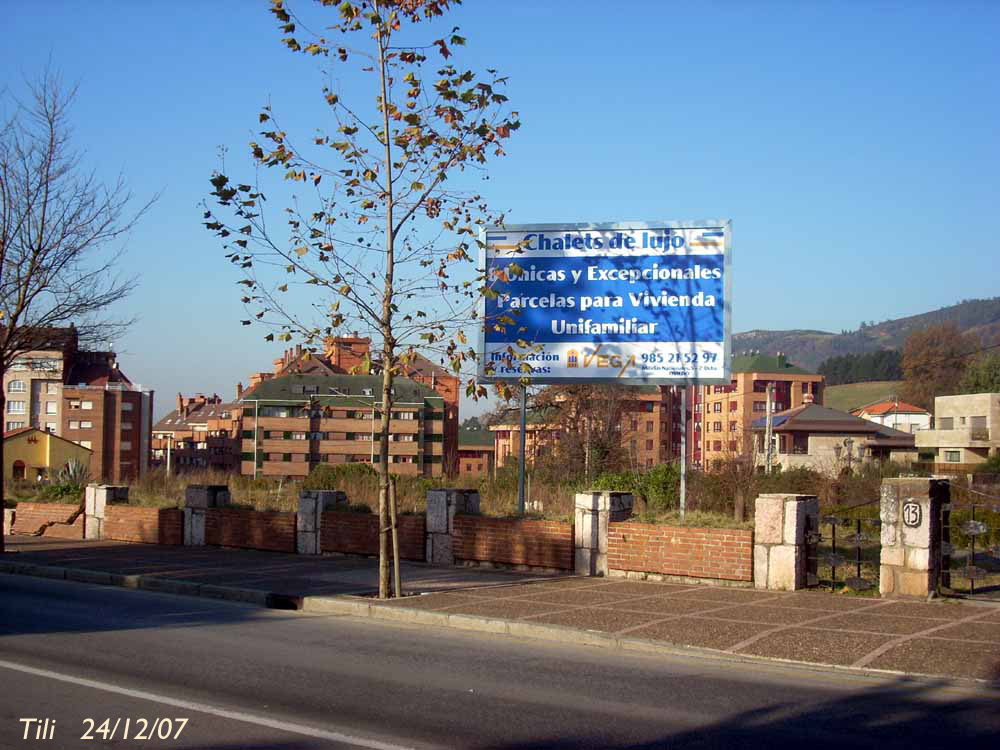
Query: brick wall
{"x": 148, "y": 525}
{"x": 699, "y": 553}
{"x": 30, "y": 517}
{"x": 545, "y": 544}
{"x": 267, "y": 530}
{"x": 357, "y": 533}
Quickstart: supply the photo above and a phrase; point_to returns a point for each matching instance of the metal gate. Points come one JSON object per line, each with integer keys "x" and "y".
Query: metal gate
{"x": 844, "y": 551}
{"x": 970, "y": 546}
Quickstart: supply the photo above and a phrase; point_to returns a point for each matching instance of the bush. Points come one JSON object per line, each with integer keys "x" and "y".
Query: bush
{"x": 340, "y": 477}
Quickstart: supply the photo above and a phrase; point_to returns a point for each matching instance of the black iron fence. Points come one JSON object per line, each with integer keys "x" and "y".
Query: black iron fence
{"x": 970, "y": 545}
{"x": 844, "y": 550}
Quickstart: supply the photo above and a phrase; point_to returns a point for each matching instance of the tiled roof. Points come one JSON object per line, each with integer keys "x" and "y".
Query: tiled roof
{"x": 889, "y": 407}
{"x": 197, "y": 414}
{"x": 18, "y": 431}
{"x": 50, "y": 435}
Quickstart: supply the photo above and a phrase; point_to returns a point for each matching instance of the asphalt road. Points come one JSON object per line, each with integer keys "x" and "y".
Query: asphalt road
{"x": 251, "y": 678}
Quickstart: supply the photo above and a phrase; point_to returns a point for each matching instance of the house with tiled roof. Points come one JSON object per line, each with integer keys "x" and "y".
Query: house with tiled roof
{"x": 201, "y": 433}
{"x": 896, "y": 414}
{"x": 31, "y": 454}
{"x": 828, "y": 440}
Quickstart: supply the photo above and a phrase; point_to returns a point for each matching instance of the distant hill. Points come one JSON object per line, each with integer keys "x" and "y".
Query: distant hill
{"x": 979, "y": 317}
{"x": 853, "y": 395}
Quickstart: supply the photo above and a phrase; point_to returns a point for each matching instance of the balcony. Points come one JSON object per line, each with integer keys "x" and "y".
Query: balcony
{"x": 962, "y": 437}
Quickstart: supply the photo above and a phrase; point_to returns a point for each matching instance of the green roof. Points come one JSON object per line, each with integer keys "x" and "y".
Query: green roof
{"x": 474, "y": 437}
{"x": 766, "y": 363}
{"x": 339, "y": 389}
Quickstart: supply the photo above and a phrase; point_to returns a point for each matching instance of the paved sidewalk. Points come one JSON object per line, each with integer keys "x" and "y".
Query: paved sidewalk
{"x": 942, "y": 638}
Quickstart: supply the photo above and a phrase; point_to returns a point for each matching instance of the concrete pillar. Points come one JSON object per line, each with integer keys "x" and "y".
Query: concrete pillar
{"x": 910, "y": 510}
{"x": 197, "y": 499}
{"x": 8, "y": 521}
{"x": 309, "y": 519}
{"x": 96, "y": 498}
{"x": 779, "y": 549}
{"x": 442, "y": 505}
{"x": 592, "y": 513}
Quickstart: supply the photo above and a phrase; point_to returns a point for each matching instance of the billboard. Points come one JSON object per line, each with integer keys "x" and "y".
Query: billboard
{"x": 627, "y": 303}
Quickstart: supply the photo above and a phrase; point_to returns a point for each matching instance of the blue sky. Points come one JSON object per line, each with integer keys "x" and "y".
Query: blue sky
{"x": 853, "y": 145}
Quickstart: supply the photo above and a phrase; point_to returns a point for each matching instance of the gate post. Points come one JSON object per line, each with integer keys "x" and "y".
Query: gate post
{"x": 592, "y": 513}
{"x": 309, "y": 518}
{"x": 910, "y": 510}
{"x": 780, "y": 559}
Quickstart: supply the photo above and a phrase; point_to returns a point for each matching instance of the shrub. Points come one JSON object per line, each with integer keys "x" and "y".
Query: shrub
{"x": 327, "y": 477}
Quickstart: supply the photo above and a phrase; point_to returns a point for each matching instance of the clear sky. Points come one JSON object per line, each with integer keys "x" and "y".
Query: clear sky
{"x": 854, "y": 145}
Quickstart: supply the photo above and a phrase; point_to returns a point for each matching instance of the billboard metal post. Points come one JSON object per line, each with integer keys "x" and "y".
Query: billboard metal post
{"x": 683, "y": 498}
{"x": 524, "y": 458}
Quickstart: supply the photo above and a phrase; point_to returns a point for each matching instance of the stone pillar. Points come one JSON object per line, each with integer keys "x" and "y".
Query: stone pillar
{"x": 8, "y": 521}
{"x": 442, "y": 505}
{"x": 197, "y": 499}
{"x": 96, "y": 498}
{"x": 309, "y": 519}
{"x": 910, "y": 510}
{"x": 593, "y": 512}
{"x": 779, "y": 540}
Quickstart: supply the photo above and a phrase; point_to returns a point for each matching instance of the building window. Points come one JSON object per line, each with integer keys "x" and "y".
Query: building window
{"x": 86, "y": 404}
{"x": 649, "y": 426}
{"x": 51, "y": 407}
{"x": 717, "y": 406}
{"x": 732, "y": 426}
{"x": 298, "y": 436}
{"x": 718, "y": 426}
{"x": 635, "y": 425}
{"x": 126, "y": 445}
{"x": 74, "y": 404}
{"x": 126, "y": 426}
{"x": 84, "y": 443}
{"x": 760, "y": 405}
{"x": 15, "y": 407}
{"x": 52, "y": 389}
{"x": 717, "y": 445}
{"x": 647, "y": 406}
{"x": 126, "y": 405}
{"x": 14, "y": 426}
{"x": 953, "y": 457}
{"x": 734, "y": 405}
{"x": 732, "y": 446}
{"x": 946, "y": 423}
{"x": 649, "y": 445}
{"x": 51, "y": 427}
{"x": 15, "y": 386}
{"x": 74, "y": 424}
{"x": 86, "y": 425}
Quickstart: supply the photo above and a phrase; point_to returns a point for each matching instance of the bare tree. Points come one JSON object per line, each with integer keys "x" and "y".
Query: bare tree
{"x": 58, "y": 225}
{"x": 385, "y": 228}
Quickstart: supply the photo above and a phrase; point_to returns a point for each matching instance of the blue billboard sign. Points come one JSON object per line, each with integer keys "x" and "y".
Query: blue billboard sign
{"x": 628, "y": 303}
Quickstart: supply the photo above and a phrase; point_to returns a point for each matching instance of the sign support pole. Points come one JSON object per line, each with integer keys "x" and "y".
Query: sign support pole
{"x": 683, "y": 498}
{"x": 521, "y": 465}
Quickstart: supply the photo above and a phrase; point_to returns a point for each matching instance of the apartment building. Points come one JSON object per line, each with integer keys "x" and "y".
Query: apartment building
{"x": 647, "y": 419}
{"x": 289, "y": 424}
{"x": 84, "y": 397}
{"x": 966, "y": 432}
{"x": 203, "y": 432}
{"x": 720, "y": 416}
{"x": 475, "y": 454}
{"x": 352, "y": 355}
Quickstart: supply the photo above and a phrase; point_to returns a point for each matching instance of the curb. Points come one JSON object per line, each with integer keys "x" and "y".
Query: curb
{"x": 353, "y": 606}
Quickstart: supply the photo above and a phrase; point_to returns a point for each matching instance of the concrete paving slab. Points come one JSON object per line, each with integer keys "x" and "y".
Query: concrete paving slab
{"x": 603, "y": 620}
{"x": 934, "y": 656}
{"x": 726, "y": 595}
{"x": 699, "y": 631}
{"x": 580, "y": 597}
{"x": 639, "y": 588}
{"x": 936, "y": 610}
{"x": 823, "y": 601}
{"x": 876, "y": 623}
{"x": 817, "y": 646}
{"x": 971, "y": 631}
{"x": 763, "y": 614}
{"x": 667, "y": 606}
{"x": 507, "y": 609}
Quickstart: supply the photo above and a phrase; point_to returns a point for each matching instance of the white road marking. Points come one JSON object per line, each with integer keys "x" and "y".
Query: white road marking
{"x": 204, "y": 708}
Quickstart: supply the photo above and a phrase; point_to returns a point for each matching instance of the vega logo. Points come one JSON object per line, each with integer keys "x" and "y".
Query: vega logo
{"x": 594, "y": 358}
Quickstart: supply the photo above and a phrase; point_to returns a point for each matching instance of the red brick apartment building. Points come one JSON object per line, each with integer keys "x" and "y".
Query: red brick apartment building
{"x": 648, "y": 422}
{"x": 84, "y": 397}
{"x": 352, "y": 355}
{"x": 720, "y": 416}
{"x": 475, "y": 453}
{"x": 289, "y": 424}
{"x": 201, "y": 433}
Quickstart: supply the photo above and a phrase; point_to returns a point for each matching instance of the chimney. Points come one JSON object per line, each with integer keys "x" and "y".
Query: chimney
{"x": 239, "y": 391}
{"x": 180, "y": 403}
